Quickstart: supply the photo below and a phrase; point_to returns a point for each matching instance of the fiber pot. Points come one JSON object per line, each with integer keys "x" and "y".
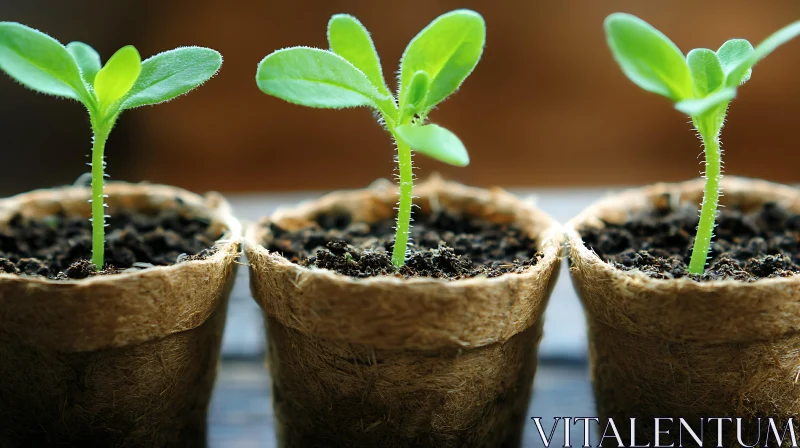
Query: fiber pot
{"x": 125, "y": 359}
{"x": 682, "y": 348}
{"x": 394, "y": 362}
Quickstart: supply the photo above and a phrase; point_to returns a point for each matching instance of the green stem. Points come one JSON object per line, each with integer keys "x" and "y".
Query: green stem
{"x": 404, "y": 206}
{"x": 709, "y": 132}
{"x": 98, "y": 199}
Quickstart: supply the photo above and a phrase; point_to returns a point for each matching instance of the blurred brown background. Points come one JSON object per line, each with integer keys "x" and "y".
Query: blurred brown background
{"x": 547, "y": 105}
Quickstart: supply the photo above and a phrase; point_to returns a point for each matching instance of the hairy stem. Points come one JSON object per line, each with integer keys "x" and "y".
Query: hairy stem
{"x": 404, "y": 205}
{"x": 709, "y": 132}
{"x": 98, "y": 198}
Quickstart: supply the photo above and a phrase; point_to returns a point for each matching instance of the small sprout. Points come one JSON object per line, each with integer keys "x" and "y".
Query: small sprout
{"x": 84, "y": 180}
{"x": 347, "y": 257}
{"x": 433, "y": 66}
{"x": 51, "y": 221}
{"x": 701, "y": 85}
{"x": 138, "y": 266}
{"x": 75, "y": 71}
{"x": 142, "y": 265}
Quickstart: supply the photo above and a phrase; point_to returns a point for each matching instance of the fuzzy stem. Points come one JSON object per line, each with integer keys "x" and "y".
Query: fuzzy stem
{"x": 404, "y": 205}
{"x": 98, "y": 199}
{"x": 709, "y": 132}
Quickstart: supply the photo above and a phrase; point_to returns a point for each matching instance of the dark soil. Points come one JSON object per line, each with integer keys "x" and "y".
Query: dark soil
{"x": 747, "y": 246}
{"x": 443, "y": 245}
{"x": 60, "y": 247}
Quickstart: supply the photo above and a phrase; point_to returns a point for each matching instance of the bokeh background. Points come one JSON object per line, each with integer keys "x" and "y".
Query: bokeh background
{"x": 547, "y": 105}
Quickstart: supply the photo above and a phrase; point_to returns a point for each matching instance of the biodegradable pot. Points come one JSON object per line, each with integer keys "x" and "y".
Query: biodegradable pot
{"x": 390, "y": 362}
{"x": 125, "y": 359}
{"x": 681, "y": 348}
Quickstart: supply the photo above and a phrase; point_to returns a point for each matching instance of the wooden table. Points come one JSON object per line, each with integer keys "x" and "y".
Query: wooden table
{"x": 241, "y": 410}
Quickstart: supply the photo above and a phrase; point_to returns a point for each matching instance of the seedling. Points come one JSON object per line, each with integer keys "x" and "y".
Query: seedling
{"x": 701, "y": 85}
{"x": 433, "y": 66}
{"x": 74, "y": 71}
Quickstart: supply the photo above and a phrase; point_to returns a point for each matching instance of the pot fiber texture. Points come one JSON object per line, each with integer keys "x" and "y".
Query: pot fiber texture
{"x": 681, "y": 348}
{"x": 121, "y": 360}
{"x": 389, "y": 362}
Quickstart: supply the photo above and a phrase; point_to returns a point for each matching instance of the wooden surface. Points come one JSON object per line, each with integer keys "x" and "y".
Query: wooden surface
{"x": 241, "y": 411}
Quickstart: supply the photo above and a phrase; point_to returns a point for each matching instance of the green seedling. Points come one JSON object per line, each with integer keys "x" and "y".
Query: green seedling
{"x": 75, "y": 71}
{"x": 701, "y": 85}
{"x": 433, "y": 66}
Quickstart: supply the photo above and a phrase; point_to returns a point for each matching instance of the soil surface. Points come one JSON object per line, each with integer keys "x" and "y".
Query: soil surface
{"x": 60, "y": 246}
{"x": 443, "y": 245}
{"x": 749, "y": 246}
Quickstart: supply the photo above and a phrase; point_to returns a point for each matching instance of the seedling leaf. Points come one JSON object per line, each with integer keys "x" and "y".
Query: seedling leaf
{"x": 87, "y": 59}
{"x": 171, "y": 74}
{"x": 434, "y": 64}
{"x": 698, "y": 107}
{"x": 416, "y": 95}
{"x": 740, "y": 73}
{"x": 434, "y": 141}
{"x": 350, "y": 39}
{"x": 447, "y": 50}
{"x": 650, "y": 60}
{"x": 648, "y": 57}
{"x": 40, "y": 62}
{"x": 117, "y": 77}
{"x": 316, "y": 78}
{"x": 706, "y": 71}
{"x": 733, "y": 53}
{"x": 74, "y": 71}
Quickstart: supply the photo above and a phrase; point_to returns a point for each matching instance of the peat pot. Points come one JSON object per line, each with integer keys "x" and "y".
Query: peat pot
{"x": 682, "y": 348}
{"x": 396, "y": 362}
{"x": 125, "y": 359}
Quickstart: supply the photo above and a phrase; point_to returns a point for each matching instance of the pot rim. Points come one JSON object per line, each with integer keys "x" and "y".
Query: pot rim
{"x": 732, "y": 185}
{"x": 213, "y": 203}
{"x": 549, "y": 240}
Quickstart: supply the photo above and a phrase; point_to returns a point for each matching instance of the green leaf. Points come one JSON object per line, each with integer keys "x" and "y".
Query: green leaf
{"x": 706, "y": 70}
{"x": 740, "y": 73}
{"x": 698, "y": 107}
{"x": 434, "y": 141}
{"x": 350, "y": 39}
{"x": 40, "y": 62}
{"x": 648, "y": 57}
{"x": 87, "y": 59}
{"x": 316, "y": 78}
{"x": 416, "y": 95}
{"x": 447, "y": 50}
{"x": 117, "y": 77}
{"x": 733, "y": 53}
{"x": 171, "y": 74}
